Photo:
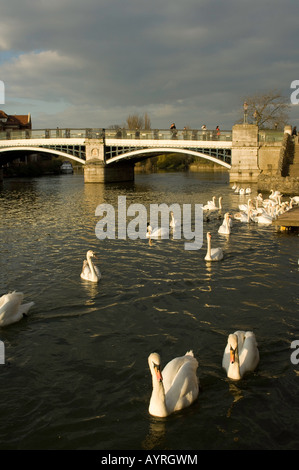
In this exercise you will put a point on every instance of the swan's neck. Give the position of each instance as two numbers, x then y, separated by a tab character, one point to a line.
157	406
92	270
209	248
234	368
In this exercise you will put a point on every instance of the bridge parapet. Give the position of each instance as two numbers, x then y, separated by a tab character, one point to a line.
100	133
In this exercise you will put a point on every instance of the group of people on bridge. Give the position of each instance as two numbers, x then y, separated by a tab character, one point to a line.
205	135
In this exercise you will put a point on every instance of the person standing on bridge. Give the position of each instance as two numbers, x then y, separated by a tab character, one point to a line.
217	132
173	131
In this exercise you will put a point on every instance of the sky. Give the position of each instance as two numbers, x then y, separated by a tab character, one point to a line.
92	63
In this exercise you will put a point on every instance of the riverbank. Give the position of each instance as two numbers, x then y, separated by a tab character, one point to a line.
285	184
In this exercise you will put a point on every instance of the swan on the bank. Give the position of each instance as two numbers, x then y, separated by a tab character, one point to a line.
11	308
295	199
225	228
241	354
274	194
176	387
90	272
213	254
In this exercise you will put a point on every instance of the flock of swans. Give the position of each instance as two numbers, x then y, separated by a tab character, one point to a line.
177	385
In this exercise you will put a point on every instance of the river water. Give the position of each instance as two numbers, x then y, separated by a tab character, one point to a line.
76	373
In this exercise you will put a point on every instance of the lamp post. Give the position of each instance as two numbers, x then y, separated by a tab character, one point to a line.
245	107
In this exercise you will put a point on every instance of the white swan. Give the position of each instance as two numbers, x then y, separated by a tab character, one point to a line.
274	194
225	228
243	216
210	205
295	199
213	254
12	309
174	222
176	387
90	272
241	354
158	232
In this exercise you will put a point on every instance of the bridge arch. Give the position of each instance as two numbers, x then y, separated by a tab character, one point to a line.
136	154
42	150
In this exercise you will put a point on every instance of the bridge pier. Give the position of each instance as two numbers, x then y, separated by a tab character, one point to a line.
97	171
245	150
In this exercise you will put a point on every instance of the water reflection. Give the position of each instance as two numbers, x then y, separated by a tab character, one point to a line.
237	395
156	435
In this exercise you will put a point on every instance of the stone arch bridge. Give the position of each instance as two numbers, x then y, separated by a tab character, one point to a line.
110	155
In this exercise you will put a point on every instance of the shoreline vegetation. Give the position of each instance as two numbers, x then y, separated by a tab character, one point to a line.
169	162
175	162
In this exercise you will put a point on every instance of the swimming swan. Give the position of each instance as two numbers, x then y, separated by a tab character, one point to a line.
213	254
12	309
241	354
174	222
225	228
158	232
176	387
90	272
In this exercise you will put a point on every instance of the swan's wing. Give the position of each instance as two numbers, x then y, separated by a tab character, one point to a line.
98	272
24	308
173	368
216	253
85	269
184	387
10	302
249	354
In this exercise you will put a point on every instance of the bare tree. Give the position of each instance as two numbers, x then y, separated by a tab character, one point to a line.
135	121
268	110
147	121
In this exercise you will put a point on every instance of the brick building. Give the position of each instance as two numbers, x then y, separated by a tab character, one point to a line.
14	122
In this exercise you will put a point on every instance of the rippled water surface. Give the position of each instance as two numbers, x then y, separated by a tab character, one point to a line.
76	373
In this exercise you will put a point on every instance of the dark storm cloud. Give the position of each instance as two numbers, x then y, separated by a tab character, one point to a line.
189	61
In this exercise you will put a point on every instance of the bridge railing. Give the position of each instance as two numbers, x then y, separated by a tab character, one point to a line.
167	134
94	133
270	135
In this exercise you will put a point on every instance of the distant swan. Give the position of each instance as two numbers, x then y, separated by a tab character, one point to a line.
11	308
176	387
174	222
213	254
241	354
211	205
90	272
158	232
225	228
